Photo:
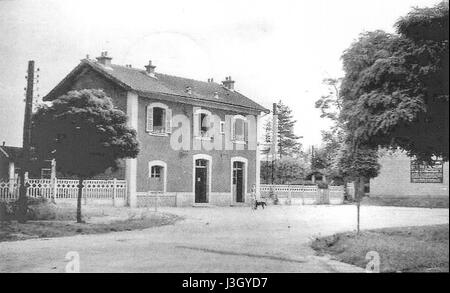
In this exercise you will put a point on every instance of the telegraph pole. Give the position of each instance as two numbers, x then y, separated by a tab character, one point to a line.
274	136
26	144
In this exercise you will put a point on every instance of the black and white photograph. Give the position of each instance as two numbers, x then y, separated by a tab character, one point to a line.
227	137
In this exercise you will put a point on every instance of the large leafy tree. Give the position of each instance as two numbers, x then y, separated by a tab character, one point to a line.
395	89
84	133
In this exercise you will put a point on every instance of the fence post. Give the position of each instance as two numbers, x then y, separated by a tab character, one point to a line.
289	194
114	192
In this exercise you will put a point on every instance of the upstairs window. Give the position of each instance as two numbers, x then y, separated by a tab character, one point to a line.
239	129
159	119
202	123
159	115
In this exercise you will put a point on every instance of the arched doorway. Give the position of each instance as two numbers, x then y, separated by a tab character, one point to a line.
202	178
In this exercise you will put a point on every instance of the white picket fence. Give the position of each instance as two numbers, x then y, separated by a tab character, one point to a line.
304	194
66	189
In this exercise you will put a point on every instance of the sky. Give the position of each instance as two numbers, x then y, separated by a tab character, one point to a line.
274	50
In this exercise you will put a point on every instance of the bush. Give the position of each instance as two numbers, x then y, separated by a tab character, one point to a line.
322	185
38	209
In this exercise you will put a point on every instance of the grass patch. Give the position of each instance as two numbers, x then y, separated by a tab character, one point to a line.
406	249
14	231
418	202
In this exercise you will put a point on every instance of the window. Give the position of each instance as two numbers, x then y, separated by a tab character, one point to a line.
202	123
156	172
46	173
222	127
159	119
240	129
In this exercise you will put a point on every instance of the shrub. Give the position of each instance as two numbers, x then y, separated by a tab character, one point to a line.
322	185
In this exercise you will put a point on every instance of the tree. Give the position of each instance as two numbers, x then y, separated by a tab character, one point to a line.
330	106
396	86
267	136
357	164
288	144
287	170
84	133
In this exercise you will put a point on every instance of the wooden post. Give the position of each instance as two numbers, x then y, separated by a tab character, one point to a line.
289	194
55	189
54	181
114	192
26	144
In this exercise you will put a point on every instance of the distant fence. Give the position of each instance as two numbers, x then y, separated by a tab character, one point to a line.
58	189
304	194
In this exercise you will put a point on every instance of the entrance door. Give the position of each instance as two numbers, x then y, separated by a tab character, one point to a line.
238	181
201	184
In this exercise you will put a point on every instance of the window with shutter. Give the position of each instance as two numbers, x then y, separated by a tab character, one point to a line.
159	119
239	129
149	122
168	121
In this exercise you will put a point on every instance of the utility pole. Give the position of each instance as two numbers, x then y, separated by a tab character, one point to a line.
274	137
26	144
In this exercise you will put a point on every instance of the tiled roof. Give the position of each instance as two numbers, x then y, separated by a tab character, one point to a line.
141	82
11	152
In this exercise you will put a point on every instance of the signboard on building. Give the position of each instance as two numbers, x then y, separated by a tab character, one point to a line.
425	173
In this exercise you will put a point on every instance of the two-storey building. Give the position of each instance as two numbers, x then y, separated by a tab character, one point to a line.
198	140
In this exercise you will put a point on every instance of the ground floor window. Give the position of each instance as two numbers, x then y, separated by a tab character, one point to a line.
156	171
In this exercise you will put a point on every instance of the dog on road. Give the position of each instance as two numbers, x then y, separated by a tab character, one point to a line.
259	203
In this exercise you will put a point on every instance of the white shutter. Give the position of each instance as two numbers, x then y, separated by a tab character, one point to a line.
196	124
246	130
233	129
149	122
168	120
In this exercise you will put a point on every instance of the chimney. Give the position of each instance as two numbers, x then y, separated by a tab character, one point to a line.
150	69
104	59
210	80
4	142
228	83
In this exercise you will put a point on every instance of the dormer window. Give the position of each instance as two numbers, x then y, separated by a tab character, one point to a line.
159	119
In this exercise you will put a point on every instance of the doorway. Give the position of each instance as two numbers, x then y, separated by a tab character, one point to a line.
238	181
201	181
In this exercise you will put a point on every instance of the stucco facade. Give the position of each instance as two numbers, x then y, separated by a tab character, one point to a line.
394	179
175	162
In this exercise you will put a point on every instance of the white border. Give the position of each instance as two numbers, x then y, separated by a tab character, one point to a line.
157	105
209	159
161	164
233	129
245	161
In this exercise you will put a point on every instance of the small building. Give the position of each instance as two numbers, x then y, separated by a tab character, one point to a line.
10	164
198	139
403	176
